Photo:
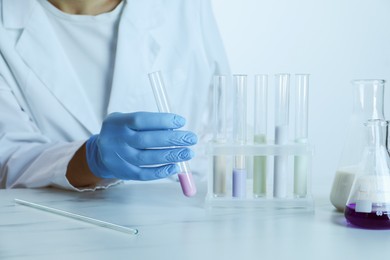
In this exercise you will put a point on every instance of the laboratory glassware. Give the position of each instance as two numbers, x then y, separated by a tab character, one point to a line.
368	104
301	133
260	134
185	176
93	221
219	133
239	133
368	204
282	96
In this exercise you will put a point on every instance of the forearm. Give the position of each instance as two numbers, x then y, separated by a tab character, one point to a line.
78	172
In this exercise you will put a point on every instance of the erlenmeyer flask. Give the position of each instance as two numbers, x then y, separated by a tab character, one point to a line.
367	105
368	204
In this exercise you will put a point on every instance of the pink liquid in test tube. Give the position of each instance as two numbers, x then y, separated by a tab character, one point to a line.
187	184
185	176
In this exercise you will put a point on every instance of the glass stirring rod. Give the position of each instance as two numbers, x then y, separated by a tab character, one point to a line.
185	176
63	213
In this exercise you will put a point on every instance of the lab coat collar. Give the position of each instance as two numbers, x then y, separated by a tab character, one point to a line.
43	54
138	40
138	48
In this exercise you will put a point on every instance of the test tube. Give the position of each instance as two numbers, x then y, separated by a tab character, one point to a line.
301	133
281	133
219	134
260	135
239	134
185	176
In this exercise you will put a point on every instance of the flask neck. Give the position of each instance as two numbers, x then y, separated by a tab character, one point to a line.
376	132
368	100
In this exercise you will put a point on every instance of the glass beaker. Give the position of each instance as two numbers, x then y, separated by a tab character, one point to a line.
368	204
368	98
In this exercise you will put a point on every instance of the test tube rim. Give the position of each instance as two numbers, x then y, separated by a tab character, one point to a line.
368	81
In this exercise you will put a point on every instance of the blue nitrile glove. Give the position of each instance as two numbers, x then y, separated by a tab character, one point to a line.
122	149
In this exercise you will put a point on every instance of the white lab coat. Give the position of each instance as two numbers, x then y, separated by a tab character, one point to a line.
45	115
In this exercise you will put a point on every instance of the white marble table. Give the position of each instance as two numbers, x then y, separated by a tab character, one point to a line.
174	227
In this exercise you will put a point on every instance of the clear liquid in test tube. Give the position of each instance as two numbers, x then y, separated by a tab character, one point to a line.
282	94
219	134
260	135
239	134
185	176
301	133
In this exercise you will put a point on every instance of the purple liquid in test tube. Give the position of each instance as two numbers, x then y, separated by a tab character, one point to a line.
185	176
239	134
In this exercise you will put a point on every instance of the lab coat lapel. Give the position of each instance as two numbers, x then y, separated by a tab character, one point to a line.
137	50
40	49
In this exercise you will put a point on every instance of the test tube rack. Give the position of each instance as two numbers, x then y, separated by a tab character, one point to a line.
255	171
291	201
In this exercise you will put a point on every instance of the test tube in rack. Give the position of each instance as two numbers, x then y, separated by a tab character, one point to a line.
260	135
301	133
282	95
185	176
219	134
239	134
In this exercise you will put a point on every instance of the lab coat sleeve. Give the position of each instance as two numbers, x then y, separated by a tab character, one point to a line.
28	159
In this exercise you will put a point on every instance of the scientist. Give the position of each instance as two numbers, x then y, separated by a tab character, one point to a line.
73	85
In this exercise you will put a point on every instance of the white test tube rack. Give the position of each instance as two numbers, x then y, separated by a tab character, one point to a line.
290	202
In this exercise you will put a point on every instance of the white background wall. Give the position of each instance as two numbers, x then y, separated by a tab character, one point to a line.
334	41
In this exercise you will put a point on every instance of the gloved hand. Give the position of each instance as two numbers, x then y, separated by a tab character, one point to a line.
122	149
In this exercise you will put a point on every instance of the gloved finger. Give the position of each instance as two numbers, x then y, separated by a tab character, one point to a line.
132	172
155	121
149	120
155	156
152	139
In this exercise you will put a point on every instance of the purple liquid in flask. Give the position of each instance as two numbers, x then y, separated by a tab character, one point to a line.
377	218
